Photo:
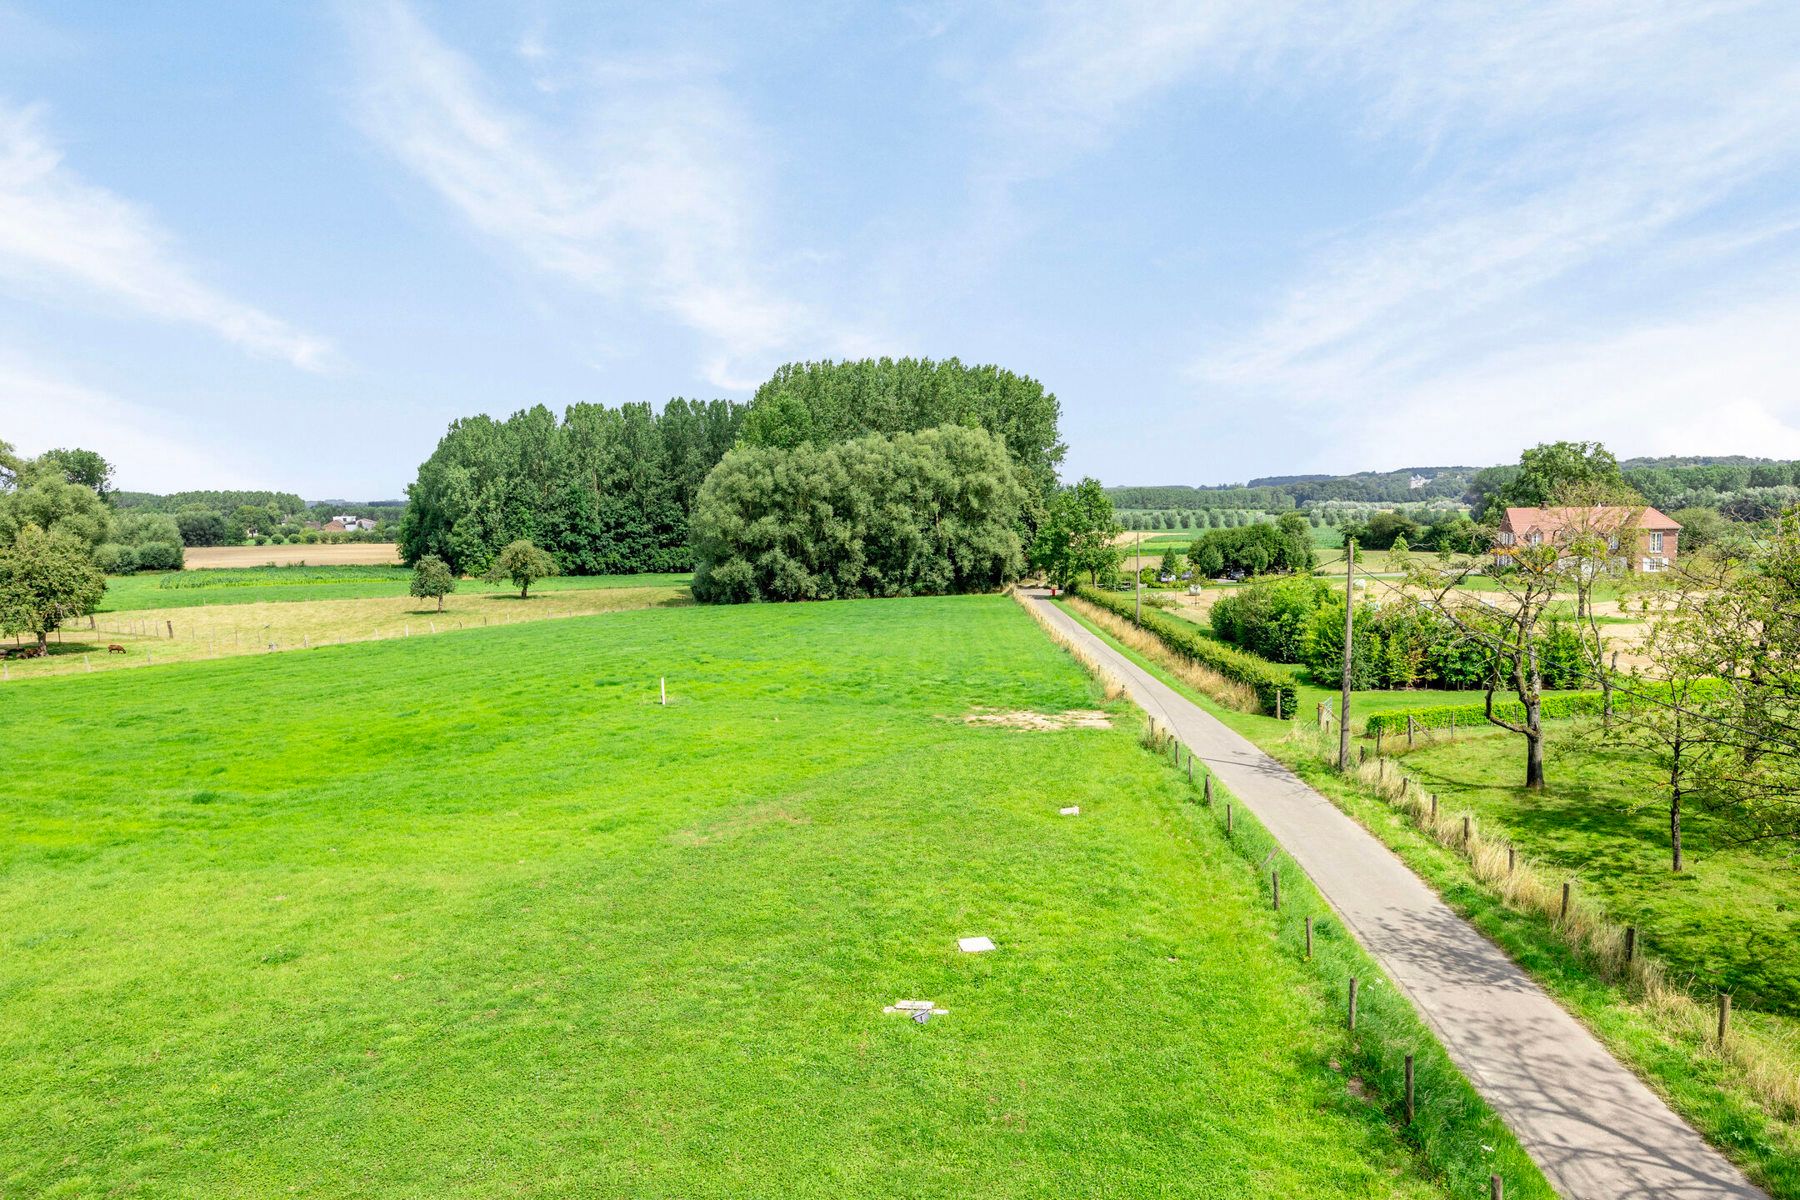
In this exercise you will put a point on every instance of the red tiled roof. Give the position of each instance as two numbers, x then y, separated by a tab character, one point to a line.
1549	520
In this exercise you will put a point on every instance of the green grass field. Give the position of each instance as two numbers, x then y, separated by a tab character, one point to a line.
256	585
475	915
1731	917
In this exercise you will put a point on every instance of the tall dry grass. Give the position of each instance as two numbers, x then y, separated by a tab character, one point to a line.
1765	1064
1203	679
1111	686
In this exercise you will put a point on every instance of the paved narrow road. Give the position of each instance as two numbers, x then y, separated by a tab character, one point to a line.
1592	1126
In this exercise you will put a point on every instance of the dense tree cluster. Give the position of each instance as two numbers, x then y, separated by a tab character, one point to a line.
61	493
910	514
1448	531
1283	546
285	505
603	491
819	403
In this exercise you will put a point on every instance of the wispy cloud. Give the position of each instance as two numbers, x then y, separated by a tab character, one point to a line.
43	407
1580	166
59	232
650	195
1718	377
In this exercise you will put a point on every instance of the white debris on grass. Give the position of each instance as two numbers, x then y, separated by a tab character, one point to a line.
914	1007
1074	810
974	945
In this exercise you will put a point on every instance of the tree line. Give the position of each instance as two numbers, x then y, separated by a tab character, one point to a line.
621	490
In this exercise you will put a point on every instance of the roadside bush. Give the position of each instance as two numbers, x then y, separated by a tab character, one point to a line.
1275	693
1271	617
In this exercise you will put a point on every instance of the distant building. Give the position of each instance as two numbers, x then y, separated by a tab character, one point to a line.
335	525
1644	539
1417	482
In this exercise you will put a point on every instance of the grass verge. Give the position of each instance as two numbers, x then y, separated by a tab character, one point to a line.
1453	1129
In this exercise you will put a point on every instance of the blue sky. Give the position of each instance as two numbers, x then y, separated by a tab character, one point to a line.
266	244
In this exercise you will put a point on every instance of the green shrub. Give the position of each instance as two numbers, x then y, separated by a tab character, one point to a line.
1275	693
114	559
159	556
1271	617
1581	704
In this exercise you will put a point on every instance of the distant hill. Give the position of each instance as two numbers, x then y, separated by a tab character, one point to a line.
1737	485
1276	493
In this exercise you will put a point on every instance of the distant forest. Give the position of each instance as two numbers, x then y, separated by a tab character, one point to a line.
1737	485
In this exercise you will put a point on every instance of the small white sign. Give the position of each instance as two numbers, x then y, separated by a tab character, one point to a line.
974	945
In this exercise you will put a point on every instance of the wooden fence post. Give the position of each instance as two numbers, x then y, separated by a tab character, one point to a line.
1208	790
1568	884
1496	1189
1409	731
1434	807
1510	855
1630	942
1228	818
1466	830
1410	1110
1309	939
1353	1004
1275	888
1724	1016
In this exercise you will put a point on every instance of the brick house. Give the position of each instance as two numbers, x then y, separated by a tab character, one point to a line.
1645	538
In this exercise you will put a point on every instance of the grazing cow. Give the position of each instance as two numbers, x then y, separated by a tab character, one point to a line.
115	648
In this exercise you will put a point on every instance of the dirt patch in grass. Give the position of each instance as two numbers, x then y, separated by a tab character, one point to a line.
1038	722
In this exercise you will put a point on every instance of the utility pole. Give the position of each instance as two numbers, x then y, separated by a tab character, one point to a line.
1137	578
1349	641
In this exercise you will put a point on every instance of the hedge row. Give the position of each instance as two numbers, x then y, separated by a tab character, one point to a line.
1581	704
1275	692
1577	704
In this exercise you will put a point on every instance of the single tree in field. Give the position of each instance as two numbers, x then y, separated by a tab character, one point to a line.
1503	619
1596	531
1546	470
1077	535
1168	565
46	579
432	578
1740	620
1669	707
524	564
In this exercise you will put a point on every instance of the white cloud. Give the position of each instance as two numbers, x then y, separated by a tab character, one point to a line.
1582	166
57	230
152	450
649	196
1719	379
